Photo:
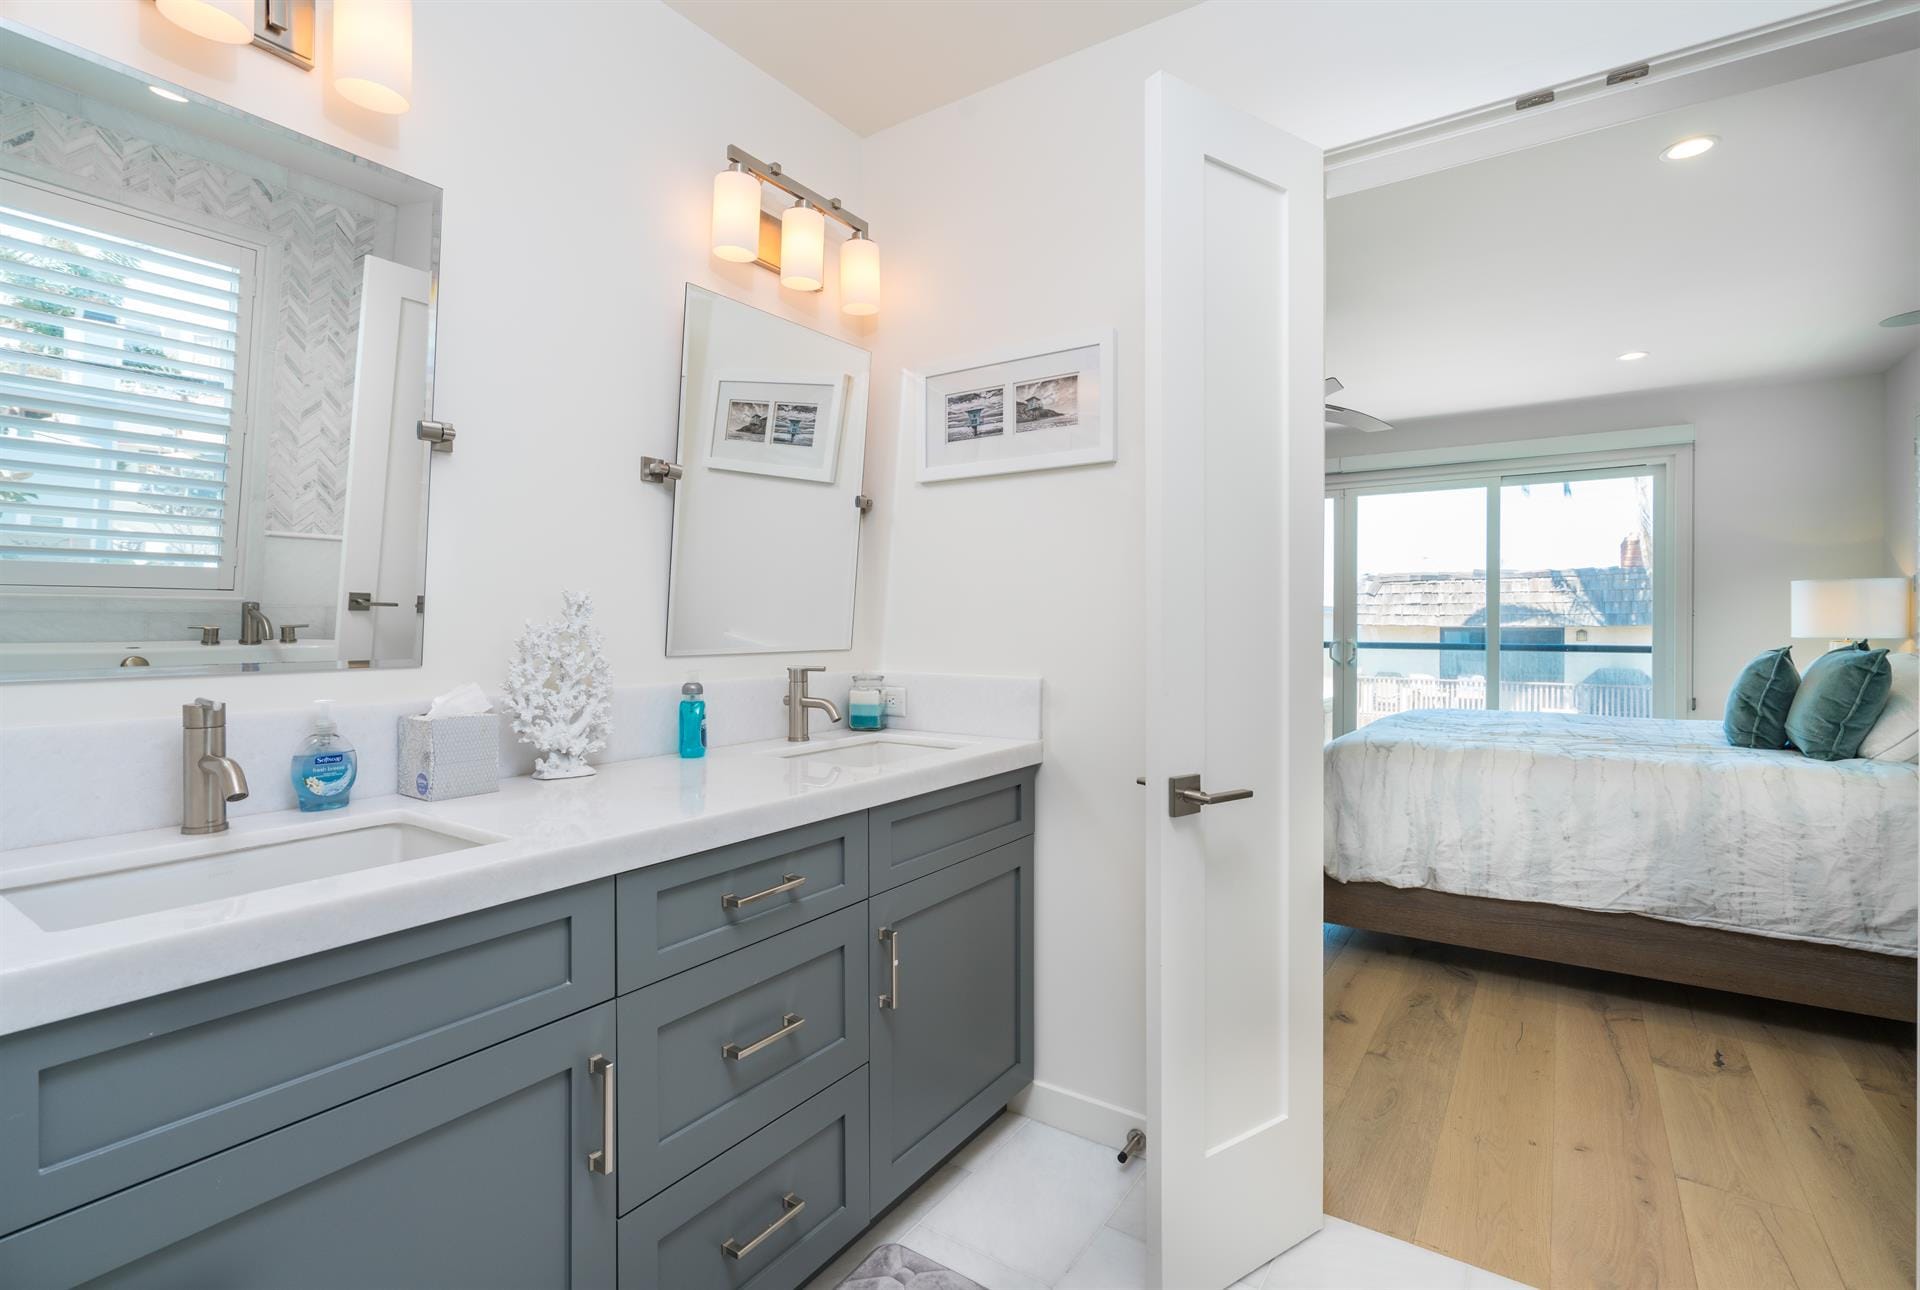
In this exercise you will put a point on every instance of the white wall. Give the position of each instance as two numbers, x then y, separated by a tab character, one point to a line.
599	126
1902	472
1042	573
1787	484
1029	575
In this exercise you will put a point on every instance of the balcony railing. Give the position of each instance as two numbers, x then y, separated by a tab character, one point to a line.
1381	696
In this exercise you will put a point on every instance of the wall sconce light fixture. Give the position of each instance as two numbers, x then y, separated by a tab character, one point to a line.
283	27
373	53
794	244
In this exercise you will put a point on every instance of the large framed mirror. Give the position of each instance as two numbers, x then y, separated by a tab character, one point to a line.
216	345
767	510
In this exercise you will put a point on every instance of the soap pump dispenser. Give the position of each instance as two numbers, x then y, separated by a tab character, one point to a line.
326	765
693	720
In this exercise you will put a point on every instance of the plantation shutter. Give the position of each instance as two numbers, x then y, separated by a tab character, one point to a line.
119	361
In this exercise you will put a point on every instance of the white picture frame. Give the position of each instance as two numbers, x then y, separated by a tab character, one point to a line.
1039	407
750	411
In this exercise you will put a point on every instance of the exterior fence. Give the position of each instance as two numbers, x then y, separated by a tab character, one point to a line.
1382	696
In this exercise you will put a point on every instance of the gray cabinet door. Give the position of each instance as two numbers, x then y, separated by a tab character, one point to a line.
766	1214
471	1175
110	1099
952	1034
710	1055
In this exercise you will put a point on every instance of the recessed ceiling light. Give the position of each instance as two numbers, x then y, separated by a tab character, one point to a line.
1633	356
1911	318
1692	146
167	94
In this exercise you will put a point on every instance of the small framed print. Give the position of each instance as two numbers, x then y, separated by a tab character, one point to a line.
1041	409
788	428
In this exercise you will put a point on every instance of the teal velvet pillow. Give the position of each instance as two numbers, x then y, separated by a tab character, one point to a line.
1757	705
1840	698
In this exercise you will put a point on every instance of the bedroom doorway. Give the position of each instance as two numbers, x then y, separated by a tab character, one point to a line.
1517	587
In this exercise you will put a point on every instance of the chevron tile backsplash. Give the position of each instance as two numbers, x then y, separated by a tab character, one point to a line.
316	251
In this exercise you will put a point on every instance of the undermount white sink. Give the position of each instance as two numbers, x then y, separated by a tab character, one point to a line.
869	752
193	873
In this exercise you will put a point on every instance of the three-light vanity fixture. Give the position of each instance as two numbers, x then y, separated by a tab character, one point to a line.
793	245
372	41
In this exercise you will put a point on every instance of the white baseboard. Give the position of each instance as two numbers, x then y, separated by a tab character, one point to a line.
1078	1114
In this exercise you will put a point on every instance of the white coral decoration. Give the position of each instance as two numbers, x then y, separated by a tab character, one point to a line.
557	690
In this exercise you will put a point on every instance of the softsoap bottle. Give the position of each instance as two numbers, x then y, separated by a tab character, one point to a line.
325	767
693	721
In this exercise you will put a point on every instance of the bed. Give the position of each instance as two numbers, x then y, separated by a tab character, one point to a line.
1632	845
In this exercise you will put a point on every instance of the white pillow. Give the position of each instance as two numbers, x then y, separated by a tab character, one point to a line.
1896	735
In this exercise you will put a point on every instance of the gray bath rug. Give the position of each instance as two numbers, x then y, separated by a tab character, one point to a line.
895	1267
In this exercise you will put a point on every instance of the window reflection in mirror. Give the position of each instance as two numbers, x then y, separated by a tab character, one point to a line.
214	345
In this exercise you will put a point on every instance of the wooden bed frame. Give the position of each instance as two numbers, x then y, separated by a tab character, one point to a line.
1825	976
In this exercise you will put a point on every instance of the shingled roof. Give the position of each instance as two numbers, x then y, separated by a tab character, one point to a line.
1603	597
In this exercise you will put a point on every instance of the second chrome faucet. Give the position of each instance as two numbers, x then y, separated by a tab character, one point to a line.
798	701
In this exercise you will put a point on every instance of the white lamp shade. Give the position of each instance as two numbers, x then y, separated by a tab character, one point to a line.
860	277
803	248
1850	608
373	53
228	21
736	216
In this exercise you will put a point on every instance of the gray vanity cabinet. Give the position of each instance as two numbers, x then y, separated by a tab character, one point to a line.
474	1174
952	1032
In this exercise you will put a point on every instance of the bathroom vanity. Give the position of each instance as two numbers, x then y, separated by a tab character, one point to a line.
674	1065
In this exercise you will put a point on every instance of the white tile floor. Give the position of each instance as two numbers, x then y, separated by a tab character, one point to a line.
1027	1207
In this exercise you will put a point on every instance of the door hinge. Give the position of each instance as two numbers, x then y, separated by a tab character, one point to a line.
657	470
862	503
1540	99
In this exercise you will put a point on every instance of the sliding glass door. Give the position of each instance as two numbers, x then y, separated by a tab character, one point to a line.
1540	591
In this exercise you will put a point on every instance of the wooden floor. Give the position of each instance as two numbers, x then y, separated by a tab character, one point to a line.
1569	1128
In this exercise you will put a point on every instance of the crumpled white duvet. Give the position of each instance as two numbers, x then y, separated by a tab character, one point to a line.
1629	815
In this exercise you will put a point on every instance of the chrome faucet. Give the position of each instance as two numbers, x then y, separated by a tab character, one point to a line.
254	625
798	701
209	779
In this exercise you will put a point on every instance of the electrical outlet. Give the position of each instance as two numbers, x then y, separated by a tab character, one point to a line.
895	697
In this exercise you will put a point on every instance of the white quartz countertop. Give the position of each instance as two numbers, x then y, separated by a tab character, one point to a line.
535	837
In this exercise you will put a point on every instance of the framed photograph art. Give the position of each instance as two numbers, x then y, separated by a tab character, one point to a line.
1039	409
789	428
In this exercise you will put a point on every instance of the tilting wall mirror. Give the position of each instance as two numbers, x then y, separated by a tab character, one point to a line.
216	350
767	501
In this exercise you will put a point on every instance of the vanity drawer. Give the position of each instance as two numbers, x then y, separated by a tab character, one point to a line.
913	838
680	914
693	1082
812	1160
112	1098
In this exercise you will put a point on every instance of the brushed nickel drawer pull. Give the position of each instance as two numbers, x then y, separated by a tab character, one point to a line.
601	1161
789	1023
787	883
891	939
790	1206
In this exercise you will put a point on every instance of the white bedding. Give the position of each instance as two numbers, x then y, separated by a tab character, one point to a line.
1629	815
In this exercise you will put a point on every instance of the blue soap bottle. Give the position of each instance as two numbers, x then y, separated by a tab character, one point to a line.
693	721
325	767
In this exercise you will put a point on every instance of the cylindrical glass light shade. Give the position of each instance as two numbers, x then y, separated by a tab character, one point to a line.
736	216
228	21
373	53
860	277
803	248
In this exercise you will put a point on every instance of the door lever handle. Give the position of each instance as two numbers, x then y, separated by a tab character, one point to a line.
1186	797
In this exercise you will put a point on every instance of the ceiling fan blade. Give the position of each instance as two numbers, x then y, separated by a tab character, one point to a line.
1339	418
1333	387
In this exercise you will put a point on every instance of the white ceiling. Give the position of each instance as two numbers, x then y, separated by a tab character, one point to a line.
1517	280
870	65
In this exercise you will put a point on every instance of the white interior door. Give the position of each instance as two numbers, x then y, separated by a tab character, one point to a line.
387	468
1234	514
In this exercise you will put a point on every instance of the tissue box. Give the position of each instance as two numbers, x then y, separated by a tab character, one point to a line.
448	757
